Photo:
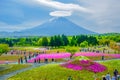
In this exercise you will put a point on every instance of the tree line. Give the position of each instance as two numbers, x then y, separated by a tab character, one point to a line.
63	40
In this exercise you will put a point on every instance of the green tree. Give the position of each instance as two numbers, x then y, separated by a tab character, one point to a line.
92	40
65	40
84	44
4	48
39	42
52	42
22	42
81	38
104	42
59	41
73	41
44	41
56	41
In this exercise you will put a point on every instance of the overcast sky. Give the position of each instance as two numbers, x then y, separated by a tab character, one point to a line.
96	15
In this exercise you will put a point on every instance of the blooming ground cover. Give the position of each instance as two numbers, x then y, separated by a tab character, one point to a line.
90	55
50	56
85	65
97	56
56	72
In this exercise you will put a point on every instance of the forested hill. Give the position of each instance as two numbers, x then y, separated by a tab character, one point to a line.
110	34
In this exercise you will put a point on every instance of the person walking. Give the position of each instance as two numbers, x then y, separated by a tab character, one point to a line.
113	78
115	73
103	57
39	60
25	58
19	61
35	61
108	76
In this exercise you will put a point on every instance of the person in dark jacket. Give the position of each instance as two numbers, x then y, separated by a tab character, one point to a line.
70	78
115	72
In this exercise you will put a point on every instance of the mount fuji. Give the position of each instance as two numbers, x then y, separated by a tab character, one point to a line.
55	26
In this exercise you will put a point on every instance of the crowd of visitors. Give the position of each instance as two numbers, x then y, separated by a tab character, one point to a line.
116	76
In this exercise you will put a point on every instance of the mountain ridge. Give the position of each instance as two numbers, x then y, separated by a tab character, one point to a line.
59	26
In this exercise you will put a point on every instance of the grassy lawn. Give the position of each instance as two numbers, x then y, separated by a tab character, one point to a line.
55	50
11	67
24	48
56	72
9	57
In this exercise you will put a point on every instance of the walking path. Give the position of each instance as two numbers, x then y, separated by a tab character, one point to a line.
6	76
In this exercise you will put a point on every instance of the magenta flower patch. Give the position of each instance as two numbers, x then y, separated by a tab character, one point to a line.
93	54
85	65
50	56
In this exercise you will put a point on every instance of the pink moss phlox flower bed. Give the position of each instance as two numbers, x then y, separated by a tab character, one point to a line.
50	56
93	54
85	65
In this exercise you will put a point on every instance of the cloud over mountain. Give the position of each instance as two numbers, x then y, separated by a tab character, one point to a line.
60	13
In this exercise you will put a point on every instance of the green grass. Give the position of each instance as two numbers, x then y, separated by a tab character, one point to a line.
100	58
10	57
55	51
55	72
12	67
24	48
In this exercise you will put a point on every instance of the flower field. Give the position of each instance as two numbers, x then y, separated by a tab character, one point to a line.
96	56
56	72
51	56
